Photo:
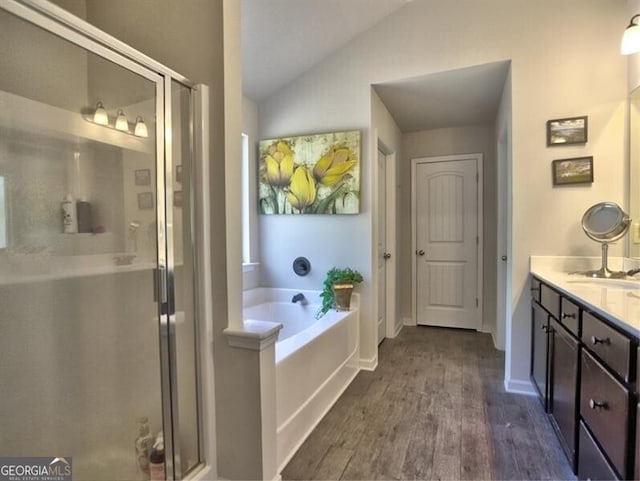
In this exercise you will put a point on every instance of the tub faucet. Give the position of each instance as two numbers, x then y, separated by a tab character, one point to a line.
299	297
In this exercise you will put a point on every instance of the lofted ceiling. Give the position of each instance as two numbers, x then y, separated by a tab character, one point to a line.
446	99
282	39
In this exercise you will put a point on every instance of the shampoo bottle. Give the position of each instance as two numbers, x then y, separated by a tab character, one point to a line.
84	216
69	215
156	459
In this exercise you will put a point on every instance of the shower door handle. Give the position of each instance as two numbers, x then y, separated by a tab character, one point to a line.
160	286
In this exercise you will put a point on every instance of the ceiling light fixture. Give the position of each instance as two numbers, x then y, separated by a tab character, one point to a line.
141	128
100	115
121	122
631	38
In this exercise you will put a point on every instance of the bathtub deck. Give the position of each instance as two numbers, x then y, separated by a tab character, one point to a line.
434	409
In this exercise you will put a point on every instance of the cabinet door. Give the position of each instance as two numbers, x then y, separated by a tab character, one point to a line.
604	407
564	387
539	352
637	467
592	464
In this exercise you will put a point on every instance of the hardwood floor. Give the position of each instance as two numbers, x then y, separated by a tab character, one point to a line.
435	408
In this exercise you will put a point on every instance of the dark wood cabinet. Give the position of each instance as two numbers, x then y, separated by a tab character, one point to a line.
585	368
540	353
592	465
611	346
604	406
570	316
636	471
564	358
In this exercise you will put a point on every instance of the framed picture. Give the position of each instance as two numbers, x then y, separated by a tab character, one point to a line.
142	177
573	130
145	201
179	173
310	174
177	198
578	170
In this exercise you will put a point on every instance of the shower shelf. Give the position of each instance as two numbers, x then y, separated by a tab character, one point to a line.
69	267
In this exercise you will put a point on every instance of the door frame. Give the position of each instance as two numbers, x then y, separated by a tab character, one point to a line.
503	247
392	325
478	157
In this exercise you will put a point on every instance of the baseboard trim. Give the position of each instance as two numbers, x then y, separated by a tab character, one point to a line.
519	387
369	364
398	328
407	321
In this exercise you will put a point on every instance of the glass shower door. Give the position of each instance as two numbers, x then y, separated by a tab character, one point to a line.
181	256
82	241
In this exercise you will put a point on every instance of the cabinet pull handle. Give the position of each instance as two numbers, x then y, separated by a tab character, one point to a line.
544	328
596	340
566	315
535	289
593	404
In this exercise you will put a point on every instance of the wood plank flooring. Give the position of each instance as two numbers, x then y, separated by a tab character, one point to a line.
435	408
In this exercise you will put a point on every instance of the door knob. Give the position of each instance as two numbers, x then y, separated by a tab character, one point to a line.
386	255
504	258
420	252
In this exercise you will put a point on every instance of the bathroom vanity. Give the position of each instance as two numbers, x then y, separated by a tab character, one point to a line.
584	366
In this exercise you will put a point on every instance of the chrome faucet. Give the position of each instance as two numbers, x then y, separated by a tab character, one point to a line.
299	297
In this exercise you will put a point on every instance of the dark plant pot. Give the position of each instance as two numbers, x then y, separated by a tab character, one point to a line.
342	295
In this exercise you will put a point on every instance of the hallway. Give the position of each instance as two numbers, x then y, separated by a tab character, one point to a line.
435	408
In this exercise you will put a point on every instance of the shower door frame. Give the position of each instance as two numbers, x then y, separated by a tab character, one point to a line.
61	23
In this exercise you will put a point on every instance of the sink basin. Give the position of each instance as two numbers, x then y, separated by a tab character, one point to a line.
610	283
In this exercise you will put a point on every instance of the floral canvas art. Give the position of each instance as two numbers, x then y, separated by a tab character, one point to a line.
310	174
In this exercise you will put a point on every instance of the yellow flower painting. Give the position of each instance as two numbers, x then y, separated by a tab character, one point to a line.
310	174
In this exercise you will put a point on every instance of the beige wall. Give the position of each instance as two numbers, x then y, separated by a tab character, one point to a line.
559	69
633	7
56	73
452	141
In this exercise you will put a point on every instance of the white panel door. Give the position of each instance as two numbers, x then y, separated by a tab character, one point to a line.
382	246
447	243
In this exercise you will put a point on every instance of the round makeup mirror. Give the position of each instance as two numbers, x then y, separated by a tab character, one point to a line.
605	222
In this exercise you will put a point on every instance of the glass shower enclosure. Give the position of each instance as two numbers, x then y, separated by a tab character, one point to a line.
97	280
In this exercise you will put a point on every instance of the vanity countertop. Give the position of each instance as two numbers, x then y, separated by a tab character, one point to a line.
618	302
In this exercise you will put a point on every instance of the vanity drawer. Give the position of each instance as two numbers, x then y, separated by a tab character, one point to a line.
569	315
611	346
591	463
550	300
604	406
535	289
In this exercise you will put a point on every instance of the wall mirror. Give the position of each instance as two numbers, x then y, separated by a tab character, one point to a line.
634	174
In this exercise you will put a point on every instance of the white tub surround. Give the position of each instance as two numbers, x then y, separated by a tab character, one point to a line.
315	360
261	337
617	301
255	335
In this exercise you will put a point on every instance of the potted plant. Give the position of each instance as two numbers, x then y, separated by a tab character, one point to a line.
337	289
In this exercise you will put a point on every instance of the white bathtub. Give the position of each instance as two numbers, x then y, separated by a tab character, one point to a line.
315	360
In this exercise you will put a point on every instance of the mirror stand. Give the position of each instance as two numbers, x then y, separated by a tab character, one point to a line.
604	272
